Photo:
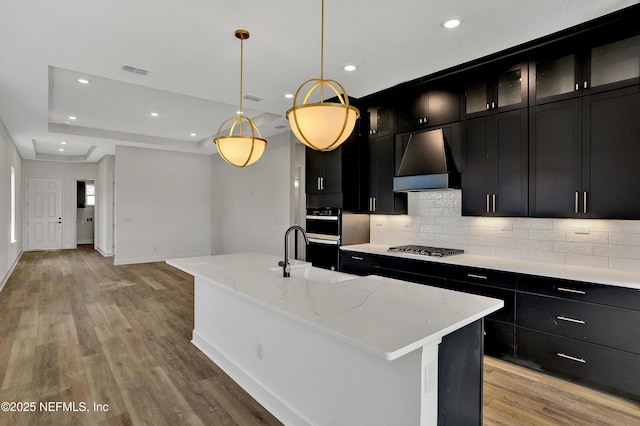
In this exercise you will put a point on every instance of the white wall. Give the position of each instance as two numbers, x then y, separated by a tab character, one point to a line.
252	205
104	205
9	252
435	219
70	174
162	205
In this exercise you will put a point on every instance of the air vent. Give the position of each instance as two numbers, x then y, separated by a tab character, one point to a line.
140	71
253	98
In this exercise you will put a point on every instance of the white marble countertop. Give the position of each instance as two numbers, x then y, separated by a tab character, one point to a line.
384	316
612	277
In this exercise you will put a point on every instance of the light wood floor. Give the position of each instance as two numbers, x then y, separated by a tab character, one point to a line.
77	330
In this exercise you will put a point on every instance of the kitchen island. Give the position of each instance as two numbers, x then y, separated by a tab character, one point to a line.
323	347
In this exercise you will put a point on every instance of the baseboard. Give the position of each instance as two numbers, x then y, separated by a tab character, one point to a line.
275	406
103	253
10	271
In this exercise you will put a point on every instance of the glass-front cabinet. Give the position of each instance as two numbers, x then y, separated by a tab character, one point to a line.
497	90
606	66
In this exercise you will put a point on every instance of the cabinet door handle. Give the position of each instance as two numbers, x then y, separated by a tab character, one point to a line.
494	202
487	105
586	85
375	204
573	320
572	358
577	86
576	210
357	258
493	105
480	277
571	290
487	203
584	202
322	181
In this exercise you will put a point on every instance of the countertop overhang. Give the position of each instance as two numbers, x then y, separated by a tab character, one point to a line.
613	277
386	317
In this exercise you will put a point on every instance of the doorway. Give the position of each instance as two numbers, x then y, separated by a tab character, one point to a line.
85	211
44	213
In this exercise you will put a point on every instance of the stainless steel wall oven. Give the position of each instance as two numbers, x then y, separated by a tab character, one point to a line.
328	228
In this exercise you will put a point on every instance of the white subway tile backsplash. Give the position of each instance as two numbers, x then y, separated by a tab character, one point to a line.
435	219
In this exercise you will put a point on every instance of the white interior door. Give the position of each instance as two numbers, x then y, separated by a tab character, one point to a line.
44	213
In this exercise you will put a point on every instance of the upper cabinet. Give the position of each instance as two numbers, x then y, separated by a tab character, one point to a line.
564	73
423	106
381	118
496	89
333	177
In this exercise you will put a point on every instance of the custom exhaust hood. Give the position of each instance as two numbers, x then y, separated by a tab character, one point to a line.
426	164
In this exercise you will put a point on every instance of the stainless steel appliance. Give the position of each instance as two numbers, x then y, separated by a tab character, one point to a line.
426	250
328	228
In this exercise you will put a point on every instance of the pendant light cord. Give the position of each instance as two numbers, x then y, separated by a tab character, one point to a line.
322	54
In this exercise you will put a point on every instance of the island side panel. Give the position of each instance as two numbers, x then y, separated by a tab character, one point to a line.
304	376
460	376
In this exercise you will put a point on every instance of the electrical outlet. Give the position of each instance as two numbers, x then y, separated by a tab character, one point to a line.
259	351
582	230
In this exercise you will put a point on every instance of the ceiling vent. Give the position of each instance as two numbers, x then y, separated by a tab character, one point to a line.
253	98
140	71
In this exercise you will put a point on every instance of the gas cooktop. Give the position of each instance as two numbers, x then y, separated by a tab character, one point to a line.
426	250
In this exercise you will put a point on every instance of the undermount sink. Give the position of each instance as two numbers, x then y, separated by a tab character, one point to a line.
312	273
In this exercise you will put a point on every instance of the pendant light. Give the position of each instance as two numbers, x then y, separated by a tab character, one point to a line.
243	148
322	125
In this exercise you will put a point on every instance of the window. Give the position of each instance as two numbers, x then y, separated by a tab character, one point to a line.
13	205
91	195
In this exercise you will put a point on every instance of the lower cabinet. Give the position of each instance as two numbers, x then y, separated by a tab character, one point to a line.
605	368
585	332
581	331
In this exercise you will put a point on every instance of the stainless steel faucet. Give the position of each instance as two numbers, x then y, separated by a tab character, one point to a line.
286	267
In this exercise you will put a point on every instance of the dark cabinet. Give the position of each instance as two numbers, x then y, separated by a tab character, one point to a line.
499	326
420	107
333	177
495	178
584	155
497	89
380	118
357	263
382	162
610	63
583	331
81	194
601	367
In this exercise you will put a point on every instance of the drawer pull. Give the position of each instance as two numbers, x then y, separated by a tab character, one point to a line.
576	321
572	358
357	258
481	277
570	290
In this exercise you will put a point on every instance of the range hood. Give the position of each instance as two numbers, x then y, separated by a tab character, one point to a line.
426	164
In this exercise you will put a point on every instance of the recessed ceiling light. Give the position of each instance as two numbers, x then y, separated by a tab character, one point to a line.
61	149
451	23
153	114
350	67
288	95
63	143
72	117
193	134
239	112
83	81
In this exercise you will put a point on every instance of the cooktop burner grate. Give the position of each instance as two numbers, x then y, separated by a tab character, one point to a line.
426	250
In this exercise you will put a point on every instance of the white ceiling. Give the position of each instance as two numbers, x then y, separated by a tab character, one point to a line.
193	59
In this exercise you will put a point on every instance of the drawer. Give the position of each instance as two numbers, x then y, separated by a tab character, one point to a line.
482	276
418	271
608	369
499	339
357	263
588	292
507	313
605	325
